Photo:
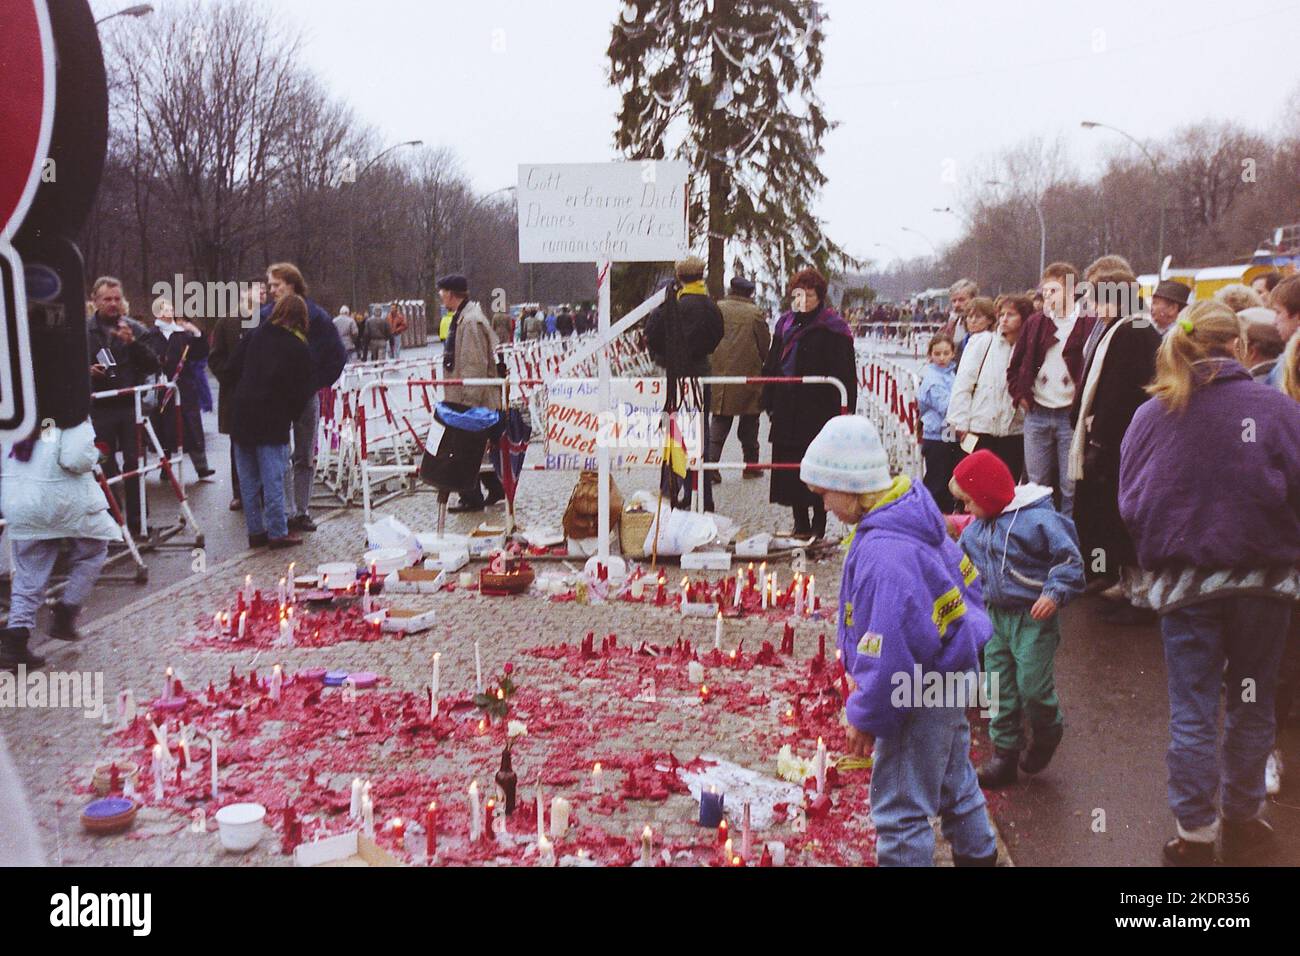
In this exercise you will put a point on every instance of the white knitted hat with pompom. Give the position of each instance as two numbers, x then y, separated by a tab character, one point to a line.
847	455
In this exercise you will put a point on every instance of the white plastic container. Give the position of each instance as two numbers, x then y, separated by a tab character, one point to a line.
239	826
338	576
387	560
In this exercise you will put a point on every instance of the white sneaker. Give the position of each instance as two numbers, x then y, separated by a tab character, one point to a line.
1273	774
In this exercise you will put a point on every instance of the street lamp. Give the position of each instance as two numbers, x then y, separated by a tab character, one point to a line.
352	207
1155	167
970	229
1042	225
139	10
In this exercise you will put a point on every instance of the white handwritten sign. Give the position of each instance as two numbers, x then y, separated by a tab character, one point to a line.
632	429
593	212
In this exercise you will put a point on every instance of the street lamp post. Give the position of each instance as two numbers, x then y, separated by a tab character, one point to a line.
352	207
1160	179
139	10
933	247
1042	225
970	229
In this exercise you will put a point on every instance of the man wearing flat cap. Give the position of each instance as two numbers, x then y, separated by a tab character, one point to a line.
469	352
1167	301
681	335
746	340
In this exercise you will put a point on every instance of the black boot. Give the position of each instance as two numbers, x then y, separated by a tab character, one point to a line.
819	522
1180	852
990	860
802	526
1000	771
1039	754
1248	842
64	626
13	648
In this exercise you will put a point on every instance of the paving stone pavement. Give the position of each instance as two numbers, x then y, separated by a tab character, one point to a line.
53	748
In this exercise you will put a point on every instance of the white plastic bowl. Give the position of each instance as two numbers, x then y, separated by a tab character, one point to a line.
388	560
240	825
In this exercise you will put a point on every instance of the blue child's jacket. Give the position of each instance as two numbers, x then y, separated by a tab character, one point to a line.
1027	551
932	397
908	597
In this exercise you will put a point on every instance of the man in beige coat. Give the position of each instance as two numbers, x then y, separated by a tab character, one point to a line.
470	351
746	340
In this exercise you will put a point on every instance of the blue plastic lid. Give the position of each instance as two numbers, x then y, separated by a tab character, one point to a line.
108	807
335	678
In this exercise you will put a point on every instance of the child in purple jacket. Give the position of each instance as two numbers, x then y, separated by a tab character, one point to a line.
911	626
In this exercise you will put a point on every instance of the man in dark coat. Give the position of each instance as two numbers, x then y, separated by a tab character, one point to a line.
327	360
681	335
811	339
133	363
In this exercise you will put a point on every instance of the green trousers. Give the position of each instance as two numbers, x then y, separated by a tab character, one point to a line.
1022	653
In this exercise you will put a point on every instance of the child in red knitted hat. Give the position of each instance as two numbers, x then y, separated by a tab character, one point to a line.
1028	556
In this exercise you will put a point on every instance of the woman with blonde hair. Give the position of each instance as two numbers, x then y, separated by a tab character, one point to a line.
1210	491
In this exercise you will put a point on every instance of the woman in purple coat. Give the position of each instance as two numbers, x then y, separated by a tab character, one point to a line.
1210	491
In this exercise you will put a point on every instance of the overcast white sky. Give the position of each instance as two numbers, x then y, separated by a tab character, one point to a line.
912	83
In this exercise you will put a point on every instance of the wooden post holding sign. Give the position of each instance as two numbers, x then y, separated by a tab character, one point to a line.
603	213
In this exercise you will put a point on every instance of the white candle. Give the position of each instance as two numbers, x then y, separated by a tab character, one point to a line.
597	779
638	588
365	598
478	668
437	679
559	818
354	810
216	622
819	766
545	852
717	633
767	590
243	621
293	625
735	598
762	576
368	816
158	772
293	597
811	604
695	672
284	628
248	590
685	591
277	682
212	757
776	587
475	814
798	596
169	684
281	593
647	837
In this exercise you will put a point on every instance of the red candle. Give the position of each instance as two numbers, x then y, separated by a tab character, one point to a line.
705	693
399	831
723	835
431	831
488	833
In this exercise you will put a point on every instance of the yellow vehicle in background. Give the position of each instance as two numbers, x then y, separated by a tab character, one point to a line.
1281	254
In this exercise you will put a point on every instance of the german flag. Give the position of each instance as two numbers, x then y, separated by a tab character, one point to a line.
675	447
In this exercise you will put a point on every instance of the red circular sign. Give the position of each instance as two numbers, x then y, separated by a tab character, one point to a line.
27	106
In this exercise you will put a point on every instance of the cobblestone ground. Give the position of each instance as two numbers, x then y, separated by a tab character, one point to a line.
56	750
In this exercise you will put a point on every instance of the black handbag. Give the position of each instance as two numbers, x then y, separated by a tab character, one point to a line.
455	464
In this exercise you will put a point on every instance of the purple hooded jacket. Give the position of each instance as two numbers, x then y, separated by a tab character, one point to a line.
908	597
1219	485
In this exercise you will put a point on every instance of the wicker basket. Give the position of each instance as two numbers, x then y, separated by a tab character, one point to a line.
632	531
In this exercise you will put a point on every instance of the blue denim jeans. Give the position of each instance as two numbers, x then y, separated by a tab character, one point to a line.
1047	452
261	474
924	771
1248	635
